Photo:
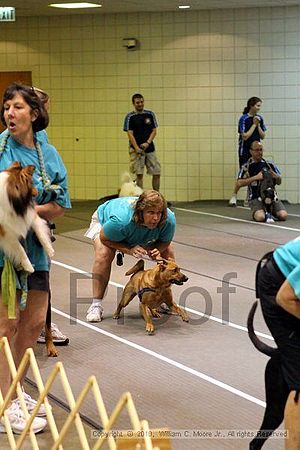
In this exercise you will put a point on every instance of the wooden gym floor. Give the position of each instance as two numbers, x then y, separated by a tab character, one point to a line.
200	379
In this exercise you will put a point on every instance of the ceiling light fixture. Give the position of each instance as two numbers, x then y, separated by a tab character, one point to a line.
75	5
184	6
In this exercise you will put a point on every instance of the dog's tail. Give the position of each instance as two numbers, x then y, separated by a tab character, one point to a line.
137	268
258	344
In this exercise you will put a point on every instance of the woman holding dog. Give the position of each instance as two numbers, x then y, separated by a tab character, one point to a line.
24	115
142	227
278	287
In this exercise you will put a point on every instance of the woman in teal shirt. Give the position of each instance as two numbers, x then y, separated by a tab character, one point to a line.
24	116
140	227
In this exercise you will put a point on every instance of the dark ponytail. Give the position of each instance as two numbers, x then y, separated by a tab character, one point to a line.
251	102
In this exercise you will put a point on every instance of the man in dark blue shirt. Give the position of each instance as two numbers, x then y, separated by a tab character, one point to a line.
140	126
251	174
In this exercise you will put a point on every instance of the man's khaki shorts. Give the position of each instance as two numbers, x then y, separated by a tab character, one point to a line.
139	161
257	205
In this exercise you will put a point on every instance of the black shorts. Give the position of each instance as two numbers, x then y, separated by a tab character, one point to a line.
284	327
38	280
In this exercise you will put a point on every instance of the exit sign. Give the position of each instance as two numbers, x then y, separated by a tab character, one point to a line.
7	14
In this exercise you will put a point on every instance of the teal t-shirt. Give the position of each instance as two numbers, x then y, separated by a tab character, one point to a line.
287	258
116	218
57	174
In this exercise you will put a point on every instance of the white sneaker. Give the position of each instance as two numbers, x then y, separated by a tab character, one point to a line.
269	218
94	313
232	201
31	404
18	421
246	203
57	336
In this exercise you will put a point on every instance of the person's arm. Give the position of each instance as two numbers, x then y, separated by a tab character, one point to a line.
50	211
286	298
248	134
246	181
276	177
261	132
275	172
146	144
136	251
261	128
133	141
160	247
256	123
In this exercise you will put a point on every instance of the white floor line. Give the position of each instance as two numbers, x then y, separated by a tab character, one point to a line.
169	361
235	219
229	324
197	313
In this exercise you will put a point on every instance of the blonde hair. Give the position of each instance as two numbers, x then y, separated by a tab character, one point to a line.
147	200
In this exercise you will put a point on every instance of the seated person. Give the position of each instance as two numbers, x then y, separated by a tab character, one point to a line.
138	226
251	174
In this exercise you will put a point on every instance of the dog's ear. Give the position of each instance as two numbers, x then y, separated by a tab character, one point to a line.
162	263
16	165
29	169
34	192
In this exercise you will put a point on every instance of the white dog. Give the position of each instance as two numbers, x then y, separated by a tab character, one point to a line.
129	188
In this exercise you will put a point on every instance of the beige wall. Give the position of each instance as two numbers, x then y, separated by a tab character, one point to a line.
196	71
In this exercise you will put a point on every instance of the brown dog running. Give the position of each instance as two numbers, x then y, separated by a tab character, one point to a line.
153	287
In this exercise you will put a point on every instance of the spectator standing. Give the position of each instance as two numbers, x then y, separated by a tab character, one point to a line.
140	126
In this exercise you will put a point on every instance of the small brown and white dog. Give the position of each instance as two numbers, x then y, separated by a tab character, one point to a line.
129	188
18	216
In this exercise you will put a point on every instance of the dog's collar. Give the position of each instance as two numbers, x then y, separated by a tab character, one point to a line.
143	290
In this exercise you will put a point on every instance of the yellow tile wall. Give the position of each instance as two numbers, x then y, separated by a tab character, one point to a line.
196	70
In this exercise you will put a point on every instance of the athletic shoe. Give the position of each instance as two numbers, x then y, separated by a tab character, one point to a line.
246	203
232	201
18	422
31	404
57	336
94	313
269	218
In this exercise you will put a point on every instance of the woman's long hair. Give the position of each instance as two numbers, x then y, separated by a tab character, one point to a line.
251	102
147	200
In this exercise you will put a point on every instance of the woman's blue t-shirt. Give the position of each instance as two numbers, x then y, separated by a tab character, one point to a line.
116	218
